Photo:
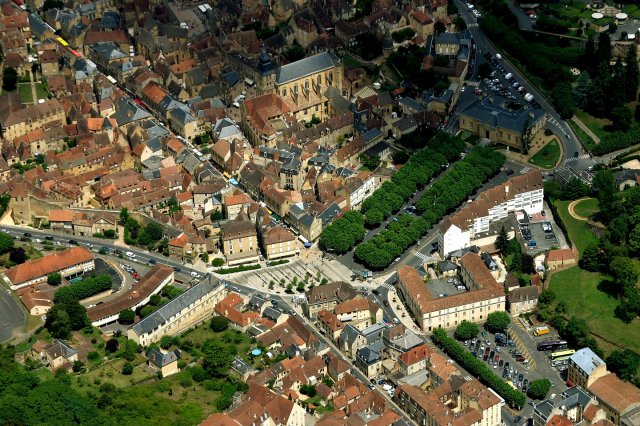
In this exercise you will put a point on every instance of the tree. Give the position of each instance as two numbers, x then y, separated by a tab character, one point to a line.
528	264
370	162
294	53
308	390
497	321
621	117
127	369
634	239
126	317
9	79
219	324
591	259
124	216
538	389
54	278
217	262
6	242
626	271
217	358
78	367
604	186
112	345
17	255
166	341
502	241
624	363
466	330
58	322
576	331
562	97
631	74
400	157
546	297
216	216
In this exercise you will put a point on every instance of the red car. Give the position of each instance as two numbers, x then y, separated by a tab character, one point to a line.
136	276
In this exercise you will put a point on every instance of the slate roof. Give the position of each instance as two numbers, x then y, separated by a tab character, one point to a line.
495	112
159	359
175	306
306	66
587	360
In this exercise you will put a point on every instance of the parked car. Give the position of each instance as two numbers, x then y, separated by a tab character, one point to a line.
176	269
385	302
48	238
74	242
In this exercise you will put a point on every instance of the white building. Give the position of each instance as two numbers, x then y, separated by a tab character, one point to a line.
520	193
360	188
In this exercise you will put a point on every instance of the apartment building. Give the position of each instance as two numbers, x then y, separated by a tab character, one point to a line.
239	241
520	193
18	122
485	296
327	297
185	311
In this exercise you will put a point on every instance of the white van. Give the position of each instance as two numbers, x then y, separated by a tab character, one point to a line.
498	56
508	76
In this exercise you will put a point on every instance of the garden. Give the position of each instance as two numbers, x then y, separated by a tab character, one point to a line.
548	156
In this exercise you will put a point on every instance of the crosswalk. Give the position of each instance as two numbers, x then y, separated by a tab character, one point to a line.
421	256
572	159
473	83
387	286
474	25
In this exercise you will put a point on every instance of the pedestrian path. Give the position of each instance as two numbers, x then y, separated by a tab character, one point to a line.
387	286
473	83
474	25
585	129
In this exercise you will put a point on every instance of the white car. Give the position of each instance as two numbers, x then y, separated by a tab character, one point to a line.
195	274
553	395
470	6
130	254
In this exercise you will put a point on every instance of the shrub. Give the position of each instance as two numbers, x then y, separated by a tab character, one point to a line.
54	278
217	262
538	389
127	369
238	269
219	324
85	288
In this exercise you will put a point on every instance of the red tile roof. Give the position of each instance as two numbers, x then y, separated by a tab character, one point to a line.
45	265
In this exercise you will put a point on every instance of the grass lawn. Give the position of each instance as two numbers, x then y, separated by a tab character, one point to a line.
351	62
548	156
582	135
586	297
26	95
41	93
587	208
579	233
595	124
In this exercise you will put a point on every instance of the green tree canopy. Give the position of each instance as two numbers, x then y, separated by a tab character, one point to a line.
498	321
538	389
126	317
6	242
219	324
54	278
466	330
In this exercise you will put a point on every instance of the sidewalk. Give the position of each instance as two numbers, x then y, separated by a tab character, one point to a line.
585	129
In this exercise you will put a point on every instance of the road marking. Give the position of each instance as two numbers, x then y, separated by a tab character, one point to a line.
421	256
570	160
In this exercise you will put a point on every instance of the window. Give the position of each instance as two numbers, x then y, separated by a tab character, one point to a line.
284	92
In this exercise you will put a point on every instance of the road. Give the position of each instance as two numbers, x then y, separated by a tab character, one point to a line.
141	256
556	124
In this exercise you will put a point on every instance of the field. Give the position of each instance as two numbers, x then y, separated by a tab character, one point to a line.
26	95
548	156
41	92
586	296
587	207
595	124
578	230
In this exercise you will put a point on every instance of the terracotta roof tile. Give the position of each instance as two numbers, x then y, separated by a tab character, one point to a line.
45	265
616	393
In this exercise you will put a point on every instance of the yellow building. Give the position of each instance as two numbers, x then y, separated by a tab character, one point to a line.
167	363
21	121
502	120
240	241
303	85
585	367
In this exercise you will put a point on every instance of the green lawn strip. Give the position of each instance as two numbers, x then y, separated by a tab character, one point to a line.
582	135
596	125
41	92
587	208
548	156
583	293
579	233
26	95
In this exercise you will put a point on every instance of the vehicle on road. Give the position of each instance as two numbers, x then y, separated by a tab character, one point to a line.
561	354
552	345
74	242
176	269
385	303
130	254
152	261
48	238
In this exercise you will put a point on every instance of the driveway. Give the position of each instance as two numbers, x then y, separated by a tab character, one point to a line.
12	316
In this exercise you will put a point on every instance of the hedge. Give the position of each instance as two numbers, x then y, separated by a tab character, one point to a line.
477	368
238	269
278	262
83	289
452	189
617	140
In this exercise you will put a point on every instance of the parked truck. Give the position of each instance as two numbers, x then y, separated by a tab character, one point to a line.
541	331
528	97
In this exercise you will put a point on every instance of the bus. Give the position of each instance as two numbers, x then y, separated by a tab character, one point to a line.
561	360
552	345
559	354
62	41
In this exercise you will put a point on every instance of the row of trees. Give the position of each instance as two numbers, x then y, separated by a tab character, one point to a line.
445	195
344	233
477	368
86	288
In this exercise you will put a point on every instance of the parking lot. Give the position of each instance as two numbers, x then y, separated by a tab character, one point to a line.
538	236
443	287
503	83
